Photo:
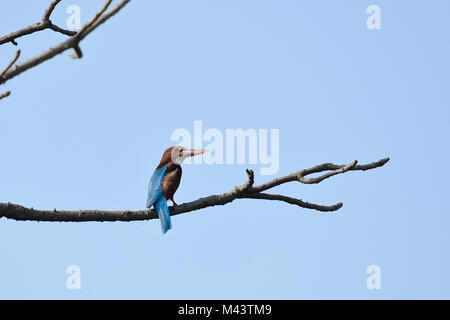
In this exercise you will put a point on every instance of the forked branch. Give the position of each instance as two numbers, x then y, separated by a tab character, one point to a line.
44	24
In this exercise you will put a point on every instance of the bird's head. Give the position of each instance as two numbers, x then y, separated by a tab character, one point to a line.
177	154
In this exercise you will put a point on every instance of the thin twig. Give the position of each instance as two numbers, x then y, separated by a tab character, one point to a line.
62	47
9	65
97	15
5	94
45	23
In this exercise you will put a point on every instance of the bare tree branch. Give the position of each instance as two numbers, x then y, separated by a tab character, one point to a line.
50	9
45	23
295	201
5	94
245	191
73	42
76	53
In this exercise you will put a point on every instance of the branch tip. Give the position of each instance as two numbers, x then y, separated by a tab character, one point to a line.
76	53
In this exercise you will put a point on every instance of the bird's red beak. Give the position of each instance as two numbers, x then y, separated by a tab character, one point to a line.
193	152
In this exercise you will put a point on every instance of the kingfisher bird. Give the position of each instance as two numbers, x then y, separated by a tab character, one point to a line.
165	181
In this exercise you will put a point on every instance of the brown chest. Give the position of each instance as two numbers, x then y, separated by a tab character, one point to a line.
171	181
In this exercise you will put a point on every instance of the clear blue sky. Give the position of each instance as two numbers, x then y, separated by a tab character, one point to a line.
87	134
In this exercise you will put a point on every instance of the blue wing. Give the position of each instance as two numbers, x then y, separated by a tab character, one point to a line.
155	186
163	214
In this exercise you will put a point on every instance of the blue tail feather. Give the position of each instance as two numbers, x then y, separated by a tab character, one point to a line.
163	214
